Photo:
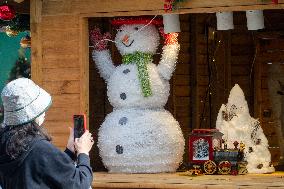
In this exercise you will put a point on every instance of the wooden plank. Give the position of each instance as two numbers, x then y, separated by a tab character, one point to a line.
62	61
241	39
63	34
257	86
66	101
185	47
59	48
61	87
194	77
184	58
184	180
242	50
61	74
84	67
182	80
61	113
182	69
184	37
182	101
182	91
242	60
58	126
36	51
63	22
183	111
52	7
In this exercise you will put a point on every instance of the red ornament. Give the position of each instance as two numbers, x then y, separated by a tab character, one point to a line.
7	12
275	1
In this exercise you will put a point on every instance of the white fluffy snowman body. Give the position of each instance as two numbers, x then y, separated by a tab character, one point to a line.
139	136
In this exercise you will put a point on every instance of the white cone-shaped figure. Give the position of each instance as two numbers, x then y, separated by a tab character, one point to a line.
139	136
235	122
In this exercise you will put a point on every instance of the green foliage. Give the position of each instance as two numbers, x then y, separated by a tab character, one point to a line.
22	68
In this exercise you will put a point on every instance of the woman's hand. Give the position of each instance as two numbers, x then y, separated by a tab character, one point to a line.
84	143
70	143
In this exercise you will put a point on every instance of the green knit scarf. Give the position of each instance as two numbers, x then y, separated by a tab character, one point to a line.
141	60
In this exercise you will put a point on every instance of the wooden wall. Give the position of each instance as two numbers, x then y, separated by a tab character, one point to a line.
222	60
241	57
60	54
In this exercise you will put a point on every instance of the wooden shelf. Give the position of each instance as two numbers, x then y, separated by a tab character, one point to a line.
182	180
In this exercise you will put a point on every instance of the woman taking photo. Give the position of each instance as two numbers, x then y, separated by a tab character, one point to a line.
27	158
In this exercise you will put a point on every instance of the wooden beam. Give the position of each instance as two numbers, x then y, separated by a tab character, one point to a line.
84	67
122	7
36	50
257	81
194	101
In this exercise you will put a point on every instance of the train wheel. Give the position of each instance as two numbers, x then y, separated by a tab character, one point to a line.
242	170
224	167
210	167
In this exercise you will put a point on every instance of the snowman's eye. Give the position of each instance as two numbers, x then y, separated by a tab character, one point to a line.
119	30
136	28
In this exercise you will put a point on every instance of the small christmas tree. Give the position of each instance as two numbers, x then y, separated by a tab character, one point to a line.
235	122
22	68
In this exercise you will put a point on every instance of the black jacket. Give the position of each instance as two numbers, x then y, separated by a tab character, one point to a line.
44	166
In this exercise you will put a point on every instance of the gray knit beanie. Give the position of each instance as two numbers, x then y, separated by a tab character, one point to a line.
23	101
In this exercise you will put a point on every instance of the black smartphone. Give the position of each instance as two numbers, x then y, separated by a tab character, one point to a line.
79	125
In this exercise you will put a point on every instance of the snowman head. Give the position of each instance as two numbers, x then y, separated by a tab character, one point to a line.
136	35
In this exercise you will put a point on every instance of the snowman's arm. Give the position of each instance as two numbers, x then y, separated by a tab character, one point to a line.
168	61
104	63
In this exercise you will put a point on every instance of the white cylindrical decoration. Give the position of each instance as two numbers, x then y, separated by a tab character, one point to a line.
255	20
225	20
171	23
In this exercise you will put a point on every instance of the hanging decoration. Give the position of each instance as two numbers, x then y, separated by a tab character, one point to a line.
171	23
273	1
10	32
170	5
20	23
7	12
25	42
255	19
225	20
139	135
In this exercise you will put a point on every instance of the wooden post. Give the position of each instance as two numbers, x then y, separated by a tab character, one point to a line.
84	66
194	77
257	81
36	50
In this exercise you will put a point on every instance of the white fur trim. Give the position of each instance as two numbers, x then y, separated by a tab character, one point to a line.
104	63
151	141
240	128
168	61
145	40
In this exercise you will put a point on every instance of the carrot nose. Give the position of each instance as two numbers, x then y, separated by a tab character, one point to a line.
125	39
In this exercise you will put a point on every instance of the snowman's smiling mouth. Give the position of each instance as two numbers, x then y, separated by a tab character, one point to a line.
129	43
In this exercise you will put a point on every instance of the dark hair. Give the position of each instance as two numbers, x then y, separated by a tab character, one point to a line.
17	139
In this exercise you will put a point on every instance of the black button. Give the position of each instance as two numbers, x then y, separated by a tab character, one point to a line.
123	120
126	71
123	96
119	149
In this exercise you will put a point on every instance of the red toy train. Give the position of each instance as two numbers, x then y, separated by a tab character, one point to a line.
207	155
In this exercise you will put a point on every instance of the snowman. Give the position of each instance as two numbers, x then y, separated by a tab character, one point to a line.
139	136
